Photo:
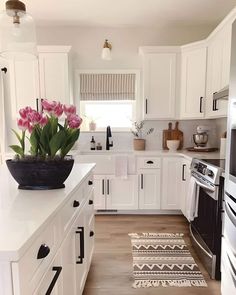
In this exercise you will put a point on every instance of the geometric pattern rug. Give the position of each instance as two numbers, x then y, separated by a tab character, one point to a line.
163	260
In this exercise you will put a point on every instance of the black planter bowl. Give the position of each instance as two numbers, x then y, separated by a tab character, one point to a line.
39	174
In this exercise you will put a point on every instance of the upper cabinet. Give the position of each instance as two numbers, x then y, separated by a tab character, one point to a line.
218	70
193	81
54	73
159	81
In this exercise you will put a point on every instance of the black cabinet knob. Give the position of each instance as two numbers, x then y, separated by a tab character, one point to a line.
90	182
91	234
76	203
90	202
44	250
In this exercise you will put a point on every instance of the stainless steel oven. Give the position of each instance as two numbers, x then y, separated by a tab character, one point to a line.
206	228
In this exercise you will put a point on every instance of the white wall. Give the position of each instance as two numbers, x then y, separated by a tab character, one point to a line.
87	42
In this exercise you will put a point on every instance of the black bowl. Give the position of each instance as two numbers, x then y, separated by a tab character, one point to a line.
39	174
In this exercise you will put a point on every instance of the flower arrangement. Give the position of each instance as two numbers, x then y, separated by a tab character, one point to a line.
138	131
47	137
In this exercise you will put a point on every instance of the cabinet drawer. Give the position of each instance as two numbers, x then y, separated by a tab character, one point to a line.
149	163
28	271
71	208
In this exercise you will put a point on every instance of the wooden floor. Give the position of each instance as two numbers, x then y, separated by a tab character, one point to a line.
111	269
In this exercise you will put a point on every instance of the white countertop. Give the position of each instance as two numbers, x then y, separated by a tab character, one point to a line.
24	212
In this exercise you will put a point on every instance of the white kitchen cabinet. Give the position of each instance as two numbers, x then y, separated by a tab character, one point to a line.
193	81
54	71
185	179
149	189
171	184
218	70
159	82
112	193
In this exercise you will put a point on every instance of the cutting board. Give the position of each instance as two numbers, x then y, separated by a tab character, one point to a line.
177	134
166	136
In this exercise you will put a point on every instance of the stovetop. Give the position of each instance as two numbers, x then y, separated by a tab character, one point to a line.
216	162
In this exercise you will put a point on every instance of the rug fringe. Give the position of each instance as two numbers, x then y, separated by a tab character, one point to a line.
168	283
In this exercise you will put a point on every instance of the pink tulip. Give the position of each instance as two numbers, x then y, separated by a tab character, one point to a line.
34	117
69	110
24	113
23	124
43	121
74	121
52	107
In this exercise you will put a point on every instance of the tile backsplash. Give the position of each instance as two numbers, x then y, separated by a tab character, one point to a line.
124	140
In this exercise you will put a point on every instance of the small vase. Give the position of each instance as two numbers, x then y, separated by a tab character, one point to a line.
40	174
139	144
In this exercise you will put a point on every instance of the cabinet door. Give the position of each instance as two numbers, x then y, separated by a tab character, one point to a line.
193	83
185	173
149	189
52	281
218	70
54	76
122	194
99	192
159	85
171	184
24	84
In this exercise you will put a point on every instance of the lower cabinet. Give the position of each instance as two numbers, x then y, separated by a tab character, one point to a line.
112	193
149	189
185	179
171	183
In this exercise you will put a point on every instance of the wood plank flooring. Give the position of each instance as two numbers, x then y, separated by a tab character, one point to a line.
111	269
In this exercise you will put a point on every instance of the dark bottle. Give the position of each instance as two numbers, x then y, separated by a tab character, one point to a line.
92	144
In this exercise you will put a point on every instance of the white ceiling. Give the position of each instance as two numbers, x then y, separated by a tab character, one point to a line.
136	13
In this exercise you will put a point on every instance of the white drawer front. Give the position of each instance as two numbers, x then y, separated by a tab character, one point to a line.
88	185
29	270
71	208
149	162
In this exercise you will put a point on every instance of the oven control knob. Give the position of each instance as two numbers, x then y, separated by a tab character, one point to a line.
210	173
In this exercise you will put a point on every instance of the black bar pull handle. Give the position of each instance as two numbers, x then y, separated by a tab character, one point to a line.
103	187
58	270
201	98
149	162
80	231
141	181
76	203
183	172
43	251
108	187
146	105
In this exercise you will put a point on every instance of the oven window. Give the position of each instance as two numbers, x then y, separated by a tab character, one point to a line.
205	223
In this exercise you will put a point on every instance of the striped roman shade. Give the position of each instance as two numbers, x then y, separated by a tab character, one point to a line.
107	86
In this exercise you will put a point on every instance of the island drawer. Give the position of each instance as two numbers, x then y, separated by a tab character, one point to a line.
149	163
28	271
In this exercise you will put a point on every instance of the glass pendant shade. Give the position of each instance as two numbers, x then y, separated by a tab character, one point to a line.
17	35
106	51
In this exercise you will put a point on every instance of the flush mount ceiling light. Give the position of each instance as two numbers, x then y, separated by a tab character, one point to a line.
17	32
106	51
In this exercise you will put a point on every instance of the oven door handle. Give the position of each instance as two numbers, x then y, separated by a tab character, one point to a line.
230	213
204	186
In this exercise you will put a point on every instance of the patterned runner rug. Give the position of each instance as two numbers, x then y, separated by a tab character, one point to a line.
163	260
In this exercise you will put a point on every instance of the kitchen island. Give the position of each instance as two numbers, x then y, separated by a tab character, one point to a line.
46	235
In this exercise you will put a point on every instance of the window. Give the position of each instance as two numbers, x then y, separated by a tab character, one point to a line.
108	99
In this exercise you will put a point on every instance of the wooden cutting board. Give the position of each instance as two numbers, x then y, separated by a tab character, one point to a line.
177	134
166	136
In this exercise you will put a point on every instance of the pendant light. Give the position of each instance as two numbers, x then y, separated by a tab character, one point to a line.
106	51
17	32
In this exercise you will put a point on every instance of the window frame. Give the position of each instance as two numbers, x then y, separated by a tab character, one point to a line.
136	102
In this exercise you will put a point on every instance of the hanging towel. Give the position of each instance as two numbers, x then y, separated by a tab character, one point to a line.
121	167
192	200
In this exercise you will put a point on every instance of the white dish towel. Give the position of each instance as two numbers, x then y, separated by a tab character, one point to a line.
121	166
192	200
